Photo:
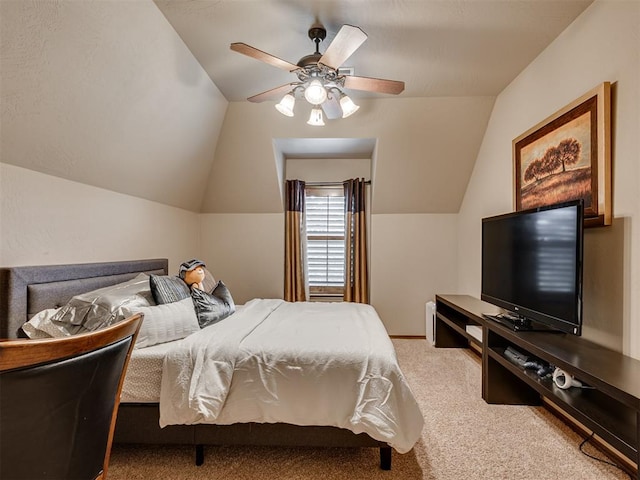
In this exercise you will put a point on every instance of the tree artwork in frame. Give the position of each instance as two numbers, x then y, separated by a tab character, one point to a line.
568	157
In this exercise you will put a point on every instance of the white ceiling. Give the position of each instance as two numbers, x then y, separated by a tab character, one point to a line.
438	48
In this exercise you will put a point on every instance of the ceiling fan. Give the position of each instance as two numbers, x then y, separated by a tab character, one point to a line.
320	81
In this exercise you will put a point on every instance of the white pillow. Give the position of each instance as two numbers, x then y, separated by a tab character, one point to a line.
165	323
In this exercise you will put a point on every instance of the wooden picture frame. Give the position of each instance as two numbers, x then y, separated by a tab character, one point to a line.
567	156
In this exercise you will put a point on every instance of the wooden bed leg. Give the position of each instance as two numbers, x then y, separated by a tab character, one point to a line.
385	458
199	455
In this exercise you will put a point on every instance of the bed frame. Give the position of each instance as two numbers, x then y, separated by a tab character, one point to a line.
25	291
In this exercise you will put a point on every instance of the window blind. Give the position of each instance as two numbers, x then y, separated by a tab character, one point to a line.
325	223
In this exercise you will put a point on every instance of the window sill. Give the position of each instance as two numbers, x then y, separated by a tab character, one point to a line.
325	298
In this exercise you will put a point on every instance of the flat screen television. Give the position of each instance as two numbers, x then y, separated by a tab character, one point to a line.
532	266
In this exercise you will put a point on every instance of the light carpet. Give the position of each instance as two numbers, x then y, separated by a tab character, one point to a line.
463	438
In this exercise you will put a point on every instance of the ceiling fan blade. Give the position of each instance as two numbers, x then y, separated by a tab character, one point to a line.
265	57
331	107
347	41
378	85
273	94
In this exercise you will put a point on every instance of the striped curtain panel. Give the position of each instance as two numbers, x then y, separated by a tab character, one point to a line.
295	282
356	287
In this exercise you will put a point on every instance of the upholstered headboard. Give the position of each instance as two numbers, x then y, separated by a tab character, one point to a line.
25	291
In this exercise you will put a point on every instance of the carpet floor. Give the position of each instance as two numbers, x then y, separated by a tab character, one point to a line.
463	438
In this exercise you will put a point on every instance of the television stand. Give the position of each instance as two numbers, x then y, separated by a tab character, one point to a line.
610	408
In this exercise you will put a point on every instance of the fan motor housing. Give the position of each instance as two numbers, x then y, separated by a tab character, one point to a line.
317	33
308	60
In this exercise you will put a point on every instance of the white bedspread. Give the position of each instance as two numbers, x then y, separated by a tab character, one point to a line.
305	363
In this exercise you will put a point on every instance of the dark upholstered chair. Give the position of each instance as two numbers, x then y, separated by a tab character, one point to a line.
59	400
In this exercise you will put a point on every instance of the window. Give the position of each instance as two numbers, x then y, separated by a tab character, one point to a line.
325	224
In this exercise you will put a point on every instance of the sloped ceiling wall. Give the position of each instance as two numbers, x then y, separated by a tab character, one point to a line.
107	94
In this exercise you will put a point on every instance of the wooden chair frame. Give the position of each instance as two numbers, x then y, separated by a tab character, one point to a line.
17	354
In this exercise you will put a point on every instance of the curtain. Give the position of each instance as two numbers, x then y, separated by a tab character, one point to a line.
295	281
356	269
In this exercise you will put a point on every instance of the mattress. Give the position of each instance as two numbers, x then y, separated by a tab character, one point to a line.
144	374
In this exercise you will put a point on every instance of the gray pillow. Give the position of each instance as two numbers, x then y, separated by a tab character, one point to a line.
213	307
103	307
167	289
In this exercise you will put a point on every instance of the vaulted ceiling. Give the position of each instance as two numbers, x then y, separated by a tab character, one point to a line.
145	98
438	48
455	57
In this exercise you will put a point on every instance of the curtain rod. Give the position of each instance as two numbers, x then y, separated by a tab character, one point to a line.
330	184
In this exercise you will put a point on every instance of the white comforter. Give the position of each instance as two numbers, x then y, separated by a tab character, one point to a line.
300	363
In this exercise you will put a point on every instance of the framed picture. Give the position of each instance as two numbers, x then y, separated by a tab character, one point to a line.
567	156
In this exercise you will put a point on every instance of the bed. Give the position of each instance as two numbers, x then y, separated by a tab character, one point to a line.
25	291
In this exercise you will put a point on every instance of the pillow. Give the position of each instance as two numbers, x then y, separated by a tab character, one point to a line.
103	307
167	289
213	307
40	325
165	323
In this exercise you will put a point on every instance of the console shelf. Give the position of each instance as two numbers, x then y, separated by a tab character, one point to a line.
615	423
452	318
610	408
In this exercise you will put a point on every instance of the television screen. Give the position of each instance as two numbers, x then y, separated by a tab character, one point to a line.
532	265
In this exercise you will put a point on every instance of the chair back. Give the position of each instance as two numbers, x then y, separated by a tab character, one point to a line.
59	400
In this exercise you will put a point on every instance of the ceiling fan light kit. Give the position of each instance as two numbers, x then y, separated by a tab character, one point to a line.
320	77
347	105
286	105
315	119
315	92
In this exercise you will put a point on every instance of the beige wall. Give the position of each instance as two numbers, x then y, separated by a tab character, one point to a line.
413	257
46	220
106	93
601	45
425	148
246	252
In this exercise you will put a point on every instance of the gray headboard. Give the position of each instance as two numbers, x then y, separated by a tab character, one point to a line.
25	291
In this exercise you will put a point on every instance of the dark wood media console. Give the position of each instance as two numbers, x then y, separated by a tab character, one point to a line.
610	408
